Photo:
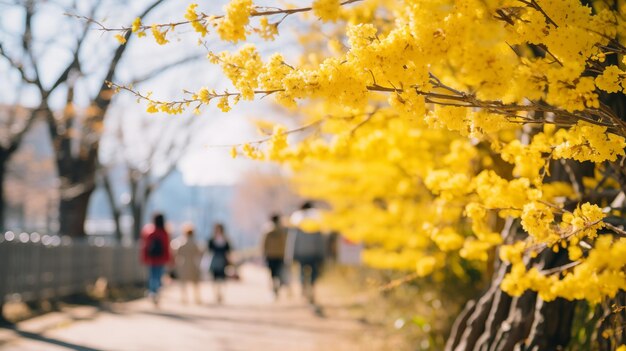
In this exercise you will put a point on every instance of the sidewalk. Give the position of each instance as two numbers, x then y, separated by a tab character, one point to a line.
248	319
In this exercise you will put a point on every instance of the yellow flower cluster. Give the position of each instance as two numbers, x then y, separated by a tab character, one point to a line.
599	275
172	109
447	239
136	27
237	16
252	152
192	16
242	68
582	142
327	10
528	159
584	222
159	36
611	80
425	266
448	184
204	95
120	38
587	142
537	221
267	30
509	197
223	104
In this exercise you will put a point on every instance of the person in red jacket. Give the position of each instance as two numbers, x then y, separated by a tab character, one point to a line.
155	253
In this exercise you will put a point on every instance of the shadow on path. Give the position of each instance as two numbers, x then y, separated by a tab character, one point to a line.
190	318
254	307
37	337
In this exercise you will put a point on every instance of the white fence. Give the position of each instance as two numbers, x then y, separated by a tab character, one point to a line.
35	267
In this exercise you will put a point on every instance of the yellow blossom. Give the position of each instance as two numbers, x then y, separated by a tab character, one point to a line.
159	36
136	25
192	16
327	10
120	38
233	26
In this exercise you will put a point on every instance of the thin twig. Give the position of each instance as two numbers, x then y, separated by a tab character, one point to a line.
364	121
264	140
202	17
560	268
397	282
616	230
535	5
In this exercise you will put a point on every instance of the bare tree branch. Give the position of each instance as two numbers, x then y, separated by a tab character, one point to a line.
103	98
17	138
17	66
27	41
156	72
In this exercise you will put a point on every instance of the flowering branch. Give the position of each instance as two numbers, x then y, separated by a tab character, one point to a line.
203	18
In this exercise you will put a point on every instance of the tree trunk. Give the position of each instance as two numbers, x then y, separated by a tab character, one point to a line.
138	211
610	332
77	172
73	213
115	210
141	190
118	226
134	204
499	322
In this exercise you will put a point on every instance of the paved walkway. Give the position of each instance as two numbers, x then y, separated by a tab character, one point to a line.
248	319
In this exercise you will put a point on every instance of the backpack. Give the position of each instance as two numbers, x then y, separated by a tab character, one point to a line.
154	247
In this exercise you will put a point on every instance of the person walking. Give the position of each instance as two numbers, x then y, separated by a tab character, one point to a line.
155	253
220	248
274	242
306	248
188	258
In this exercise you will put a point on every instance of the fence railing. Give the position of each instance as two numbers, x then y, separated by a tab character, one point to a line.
37	267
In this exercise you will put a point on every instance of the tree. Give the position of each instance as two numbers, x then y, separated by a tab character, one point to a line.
149	150
74	99
475	131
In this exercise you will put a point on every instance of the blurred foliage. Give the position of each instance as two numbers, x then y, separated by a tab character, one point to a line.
405	315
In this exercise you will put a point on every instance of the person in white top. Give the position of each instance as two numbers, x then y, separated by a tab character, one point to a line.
308	249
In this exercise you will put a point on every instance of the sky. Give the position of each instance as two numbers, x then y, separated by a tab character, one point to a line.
54	33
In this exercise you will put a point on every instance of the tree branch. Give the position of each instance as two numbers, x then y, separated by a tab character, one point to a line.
103	98
17	66
17	137
258	11
156	72
27	39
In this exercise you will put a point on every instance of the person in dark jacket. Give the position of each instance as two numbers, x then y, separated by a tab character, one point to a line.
274	242
155	253
220	248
